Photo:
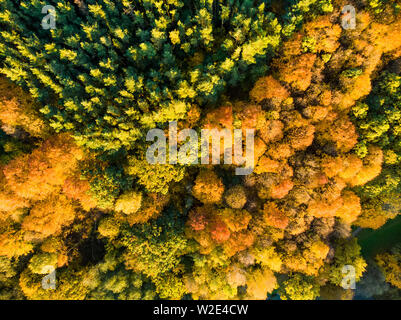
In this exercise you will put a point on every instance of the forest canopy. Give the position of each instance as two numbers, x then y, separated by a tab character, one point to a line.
78	195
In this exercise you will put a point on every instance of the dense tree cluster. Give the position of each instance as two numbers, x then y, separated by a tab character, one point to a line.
378	120
77	193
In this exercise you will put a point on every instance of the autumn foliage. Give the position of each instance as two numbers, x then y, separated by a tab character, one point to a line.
77	192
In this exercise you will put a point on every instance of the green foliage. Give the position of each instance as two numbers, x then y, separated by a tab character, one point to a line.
39	262
154	178
112	70
300	8
155	247
11	147
124	65
378	120
299	287
347	252
109	227
352	73
109	280
170	286
379	6
106	183
9	288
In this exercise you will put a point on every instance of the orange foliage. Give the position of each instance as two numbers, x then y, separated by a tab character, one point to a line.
281	190
324	33
324	208
221	117
331	166
78	189
350	209
237	242
48	217
272	131
341	132
8	200
198	218
316	113
35	176
280	151
228	227
17	108
251	115
259	148
301	137
235	219
351	166
208	187
265	164
297	72
293	46
219	231
268	88
274	217
193	115
325	98
345	166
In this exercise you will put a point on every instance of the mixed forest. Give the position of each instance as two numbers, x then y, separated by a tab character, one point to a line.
76	190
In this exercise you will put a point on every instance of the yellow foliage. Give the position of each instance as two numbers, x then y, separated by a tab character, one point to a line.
265	164
208	187
151	207
109	227
372	166
12	243
350	209
351	166
260	282
268	257
319	249
17	108
48	217
129	202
